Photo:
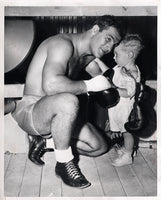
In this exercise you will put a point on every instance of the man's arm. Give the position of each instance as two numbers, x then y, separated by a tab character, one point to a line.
54	80
93	69
103	67
96	67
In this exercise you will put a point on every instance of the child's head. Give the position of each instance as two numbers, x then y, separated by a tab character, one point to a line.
128	50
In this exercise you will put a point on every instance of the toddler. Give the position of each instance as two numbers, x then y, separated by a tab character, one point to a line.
126	72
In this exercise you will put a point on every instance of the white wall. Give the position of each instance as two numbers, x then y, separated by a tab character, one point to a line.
82	11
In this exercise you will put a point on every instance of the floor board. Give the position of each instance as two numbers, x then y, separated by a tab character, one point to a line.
150	156
68	191
128	178
14	175
7	159
90	171
145	175
25	179
50	184
31	180
109	179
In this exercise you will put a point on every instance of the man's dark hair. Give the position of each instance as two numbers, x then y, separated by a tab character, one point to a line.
109	20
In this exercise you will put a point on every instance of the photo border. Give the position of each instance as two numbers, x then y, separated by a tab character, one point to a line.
4	3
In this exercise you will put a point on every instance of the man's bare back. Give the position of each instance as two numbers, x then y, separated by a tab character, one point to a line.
33	85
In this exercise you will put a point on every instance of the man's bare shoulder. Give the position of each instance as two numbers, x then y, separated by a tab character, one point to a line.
61	42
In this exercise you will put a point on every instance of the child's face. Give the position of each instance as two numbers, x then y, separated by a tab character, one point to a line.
120	55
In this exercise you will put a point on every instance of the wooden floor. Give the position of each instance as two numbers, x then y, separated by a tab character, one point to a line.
24	179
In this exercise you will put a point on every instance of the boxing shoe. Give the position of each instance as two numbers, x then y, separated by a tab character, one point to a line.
37	148
71	174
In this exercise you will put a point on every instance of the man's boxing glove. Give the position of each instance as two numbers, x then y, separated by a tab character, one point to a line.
107	98
98	83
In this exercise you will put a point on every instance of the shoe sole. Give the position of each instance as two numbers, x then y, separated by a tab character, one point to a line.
81	187
36	162
121	165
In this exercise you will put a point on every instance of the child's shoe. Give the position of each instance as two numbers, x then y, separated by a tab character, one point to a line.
120	151
124	159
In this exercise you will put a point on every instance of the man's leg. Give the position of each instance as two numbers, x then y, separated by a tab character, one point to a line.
91	141
56	115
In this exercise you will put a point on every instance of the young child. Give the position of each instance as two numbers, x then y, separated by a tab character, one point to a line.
125	72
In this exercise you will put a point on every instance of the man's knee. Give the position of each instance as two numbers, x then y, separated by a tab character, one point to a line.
95	144
99	143
101	147
94	139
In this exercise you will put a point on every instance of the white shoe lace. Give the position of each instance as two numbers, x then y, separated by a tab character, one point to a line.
73	170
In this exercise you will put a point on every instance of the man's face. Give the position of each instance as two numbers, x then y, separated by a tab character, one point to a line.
104	41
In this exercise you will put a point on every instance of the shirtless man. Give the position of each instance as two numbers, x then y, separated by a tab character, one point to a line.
50	104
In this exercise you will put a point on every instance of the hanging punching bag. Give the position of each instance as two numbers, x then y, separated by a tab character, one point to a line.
19	37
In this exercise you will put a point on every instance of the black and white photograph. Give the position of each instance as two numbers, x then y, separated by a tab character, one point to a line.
80	101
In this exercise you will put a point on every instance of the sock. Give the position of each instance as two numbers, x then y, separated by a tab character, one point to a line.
63	156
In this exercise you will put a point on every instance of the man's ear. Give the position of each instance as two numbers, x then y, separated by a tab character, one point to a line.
95	29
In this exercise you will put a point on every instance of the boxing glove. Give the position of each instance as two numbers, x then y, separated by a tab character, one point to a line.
107	98
98	83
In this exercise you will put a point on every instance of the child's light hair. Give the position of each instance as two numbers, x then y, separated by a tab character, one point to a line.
133	42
